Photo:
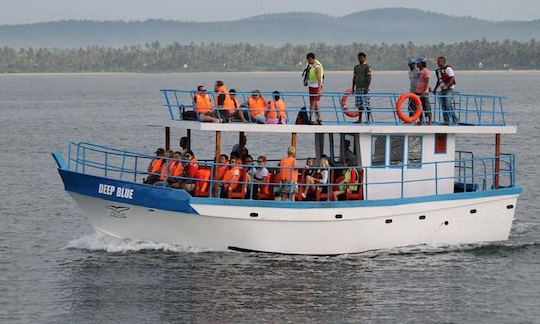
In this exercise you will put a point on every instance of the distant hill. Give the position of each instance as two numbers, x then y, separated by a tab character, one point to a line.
391	25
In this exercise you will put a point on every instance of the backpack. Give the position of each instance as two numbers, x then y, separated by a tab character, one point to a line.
305	75
303	117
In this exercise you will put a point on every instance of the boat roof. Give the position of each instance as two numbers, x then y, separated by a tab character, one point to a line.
352	128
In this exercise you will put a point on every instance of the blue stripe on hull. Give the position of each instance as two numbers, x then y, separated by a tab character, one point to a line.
141	195
178	200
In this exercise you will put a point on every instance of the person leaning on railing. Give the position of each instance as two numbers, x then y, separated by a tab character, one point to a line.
289	174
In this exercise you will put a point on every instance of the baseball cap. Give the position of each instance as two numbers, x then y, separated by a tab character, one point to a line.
411	61
421	59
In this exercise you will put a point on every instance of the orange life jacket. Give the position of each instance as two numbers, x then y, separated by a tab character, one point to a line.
155	165
176	169
220	173
228	103
203	103
276	109
286	172
165	170
256	105
236	102
231	176
193	167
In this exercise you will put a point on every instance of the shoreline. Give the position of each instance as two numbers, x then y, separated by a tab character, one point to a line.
232	72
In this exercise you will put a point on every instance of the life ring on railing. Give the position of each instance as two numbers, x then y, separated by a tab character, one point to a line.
417	112
343	102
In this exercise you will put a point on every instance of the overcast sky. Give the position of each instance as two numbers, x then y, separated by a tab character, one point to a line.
24	11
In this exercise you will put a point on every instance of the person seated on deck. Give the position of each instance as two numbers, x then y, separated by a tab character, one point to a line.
191	167
176	171
347	177
154	168
224	102
289	175
276	113
240	148
203	105
257	107
238	112
222	167
165	168
231	176
320	177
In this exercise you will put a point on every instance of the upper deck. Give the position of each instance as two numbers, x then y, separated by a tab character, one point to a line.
476	114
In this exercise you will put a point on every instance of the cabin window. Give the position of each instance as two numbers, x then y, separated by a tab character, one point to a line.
378	150
414	152
440	143
397	146
348	149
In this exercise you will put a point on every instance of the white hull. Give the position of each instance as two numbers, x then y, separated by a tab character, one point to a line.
309	231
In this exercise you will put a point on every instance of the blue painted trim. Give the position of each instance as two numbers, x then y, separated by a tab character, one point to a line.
142	195
356	203
59	159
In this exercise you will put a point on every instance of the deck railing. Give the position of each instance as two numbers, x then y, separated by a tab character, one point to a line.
471	174
470	109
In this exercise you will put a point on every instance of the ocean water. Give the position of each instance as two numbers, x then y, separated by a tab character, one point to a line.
53	268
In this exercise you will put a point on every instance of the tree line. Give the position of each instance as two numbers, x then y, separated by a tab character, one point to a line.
154	57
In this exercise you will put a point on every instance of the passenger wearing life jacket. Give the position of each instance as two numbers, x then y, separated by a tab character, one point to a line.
288	173
191	171
203	105
276	113
232	175
350	180
313	79
239	111
154	168
222	167
257	107
176	170
224	101
447	83
166	167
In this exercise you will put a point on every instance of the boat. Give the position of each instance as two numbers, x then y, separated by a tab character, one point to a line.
413	185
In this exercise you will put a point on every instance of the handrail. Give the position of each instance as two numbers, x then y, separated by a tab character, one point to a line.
124	165
471	109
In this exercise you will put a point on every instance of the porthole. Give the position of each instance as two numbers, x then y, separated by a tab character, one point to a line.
339	216
509	206
388	221
445	222
473	211
253	215
422	217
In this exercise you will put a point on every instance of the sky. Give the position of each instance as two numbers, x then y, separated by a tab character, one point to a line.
28	11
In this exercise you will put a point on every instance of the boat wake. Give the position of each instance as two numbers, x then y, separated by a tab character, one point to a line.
103	242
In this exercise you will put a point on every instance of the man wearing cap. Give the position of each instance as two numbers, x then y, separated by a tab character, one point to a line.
422	88
413	80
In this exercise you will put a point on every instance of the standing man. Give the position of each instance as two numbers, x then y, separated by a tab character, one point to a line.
447	83
313	79
422	89
413	80
360	87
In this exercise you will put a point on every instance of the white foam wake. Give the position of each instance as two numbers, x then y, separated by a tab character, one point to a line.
103	242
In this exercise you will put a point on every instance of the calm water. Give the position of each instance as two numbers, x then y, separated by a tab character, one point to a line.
54	269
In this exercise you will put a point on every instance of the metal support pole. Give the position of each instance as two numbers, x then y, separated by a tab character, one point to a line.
167	138
294	137
497	160
188	139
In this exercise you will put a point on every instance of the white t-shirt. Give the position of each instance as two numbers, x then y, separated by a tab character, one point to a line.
259	173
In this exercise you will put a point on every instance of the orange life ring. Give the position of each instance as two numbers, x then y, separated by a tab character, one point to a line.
343	103
417	112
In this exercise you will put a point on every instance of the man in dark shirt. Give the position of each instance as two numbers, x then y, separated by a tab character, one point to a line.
360	87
